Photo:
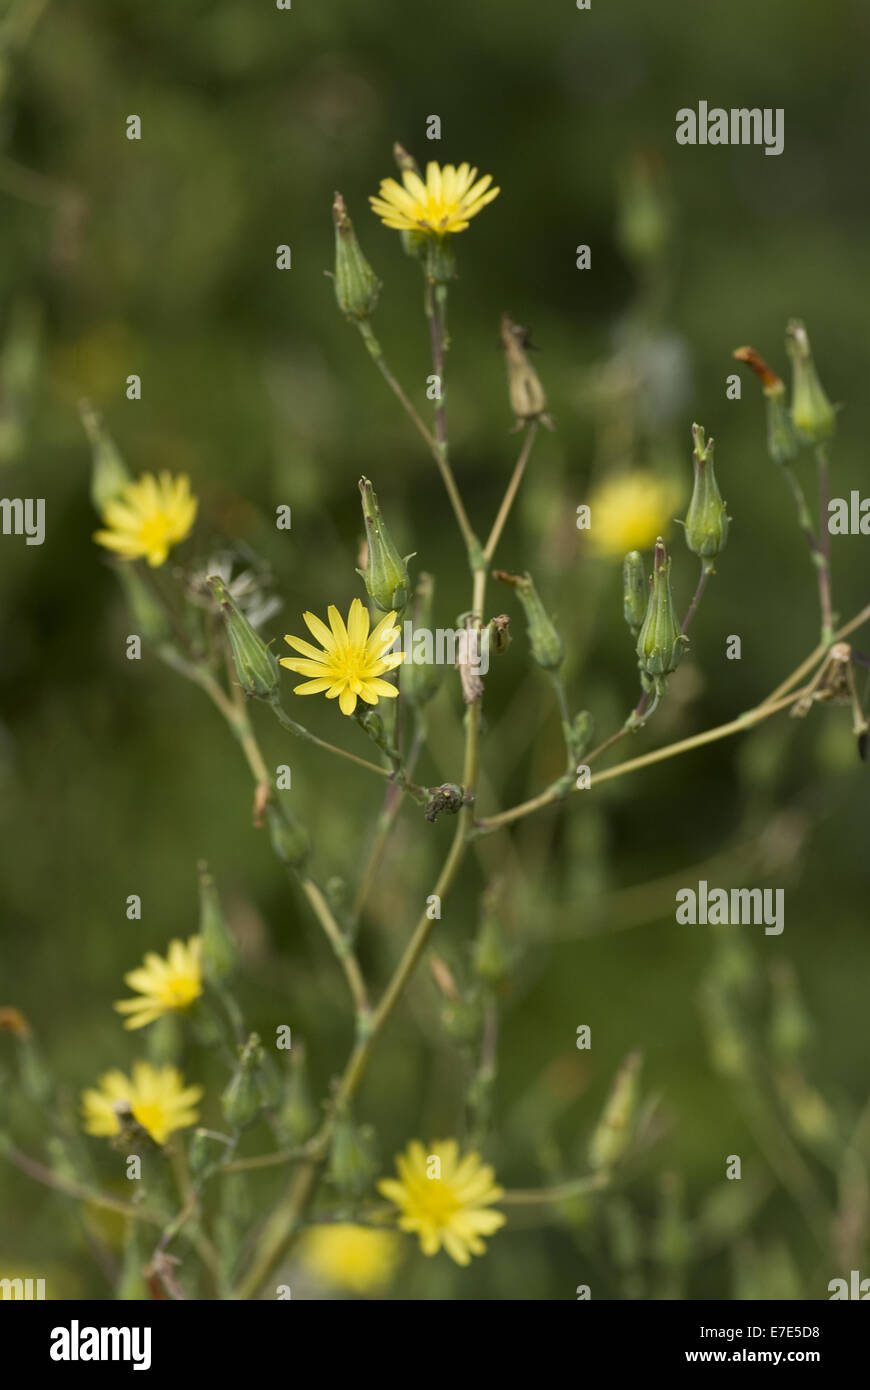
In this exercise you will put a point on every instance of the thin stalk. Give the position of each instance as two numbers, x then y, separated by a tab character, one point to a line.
510	494
823	555
436	447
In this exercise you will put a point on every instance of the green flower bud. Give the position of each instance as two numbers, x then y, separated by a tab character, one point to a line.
578	735
545	642
635	590
205	1154
612	1135
790	1025
419	680
660	644
492	955
109	475
386	573
256	667
812	414
462	1019
353	1162
782	444
706	522
356	285
290	839
220	954
242	1100
297	1118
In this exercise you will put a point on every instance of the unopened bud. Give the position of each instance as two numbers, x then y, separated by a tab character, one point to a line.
353	1163
297	1117
527	398
109	475
220	954
242	1099
290	839
256	667
706	522
635	590
386	573
578	735
660	644
812	414
356	285
545	642
612	1135
492	955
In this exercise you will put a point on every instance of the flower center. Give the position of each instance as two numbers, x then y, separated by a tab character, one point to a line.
155	530
180	991
439	1201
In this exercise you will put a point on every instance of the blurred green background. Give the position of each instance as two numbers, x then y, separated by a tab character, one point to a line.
158	257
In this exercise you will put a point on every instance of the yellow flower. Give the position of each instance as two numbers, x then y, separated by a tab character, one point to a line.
630	512
351	661
157	1096
449	1208
351	1257
165	985
446	202
148	517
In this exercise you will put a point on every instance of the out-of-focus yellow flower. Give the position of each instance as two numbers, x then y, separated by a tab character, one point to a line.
446	202
157	1096
351	1257
165	985
351	662
629	512
148	518
449	1209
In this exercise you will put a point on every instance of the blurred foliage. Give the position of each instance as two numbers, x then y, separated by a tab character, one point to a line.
158	257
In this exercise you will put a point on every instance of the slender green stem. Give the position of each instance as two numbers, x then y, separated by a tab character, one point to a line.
437	448
822	556
535	1196
511	492
79	1190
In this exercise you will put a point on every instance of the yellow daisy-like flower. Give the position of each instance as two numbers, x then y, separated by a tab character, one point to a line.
148	518
449	1209
351	1257
351	662
446	202
157	1096
630	512
165	985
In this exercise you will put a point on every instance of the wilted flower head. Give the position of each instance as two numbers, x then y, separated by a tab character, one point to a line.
446	202
445	1203
148	518
351	664
157	1096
